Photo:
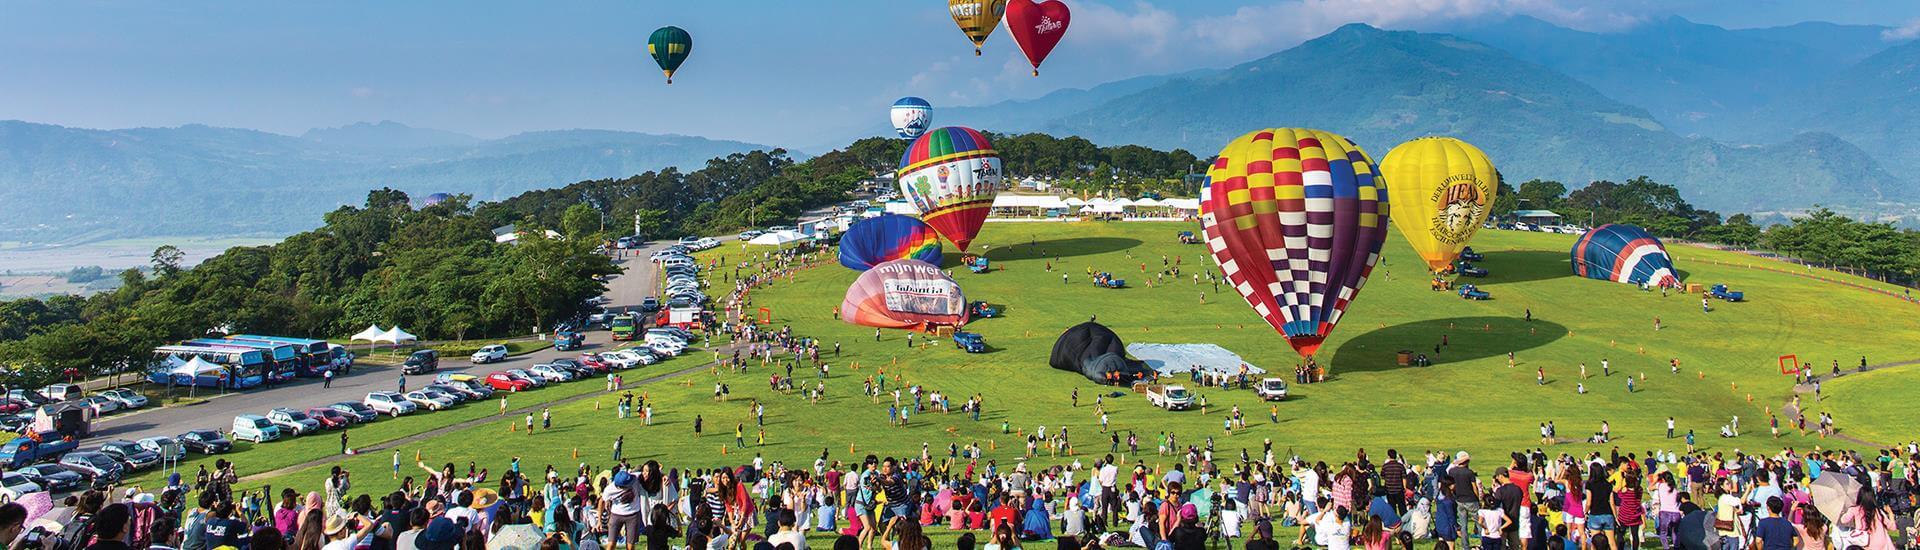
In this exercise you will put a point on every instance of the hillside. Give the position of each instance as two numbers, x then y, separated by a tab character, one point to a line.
60	182
1536	122
1874	103
1695	78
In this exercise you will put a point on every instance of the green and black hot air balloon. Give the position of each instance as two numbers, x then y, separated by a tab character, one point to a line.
669	47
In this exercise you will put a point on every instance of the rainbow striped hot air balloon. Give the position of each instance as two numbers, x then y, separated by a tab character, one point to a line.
951	175
1295	218
888	237
1625	254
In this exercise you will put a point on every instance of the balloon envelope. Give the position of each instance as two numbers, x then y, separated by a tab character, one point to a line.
1037	26
1295	218
436	198
951	175
669	47
1442	189
888	237
911	116
977	18
904	294
1625	254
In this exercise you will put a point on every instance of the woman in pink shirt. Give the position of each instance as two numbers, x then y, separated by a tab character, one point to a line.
1667	510
1873	526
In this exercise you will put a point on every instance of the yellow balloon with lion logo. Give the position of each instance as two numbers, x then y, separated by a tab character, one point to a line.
1441	190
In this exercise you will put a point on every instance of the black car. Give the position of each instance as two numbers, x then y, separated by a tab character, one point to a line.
571	365
650	305
421	362
204	442
130	454
54	477
356	411
100	469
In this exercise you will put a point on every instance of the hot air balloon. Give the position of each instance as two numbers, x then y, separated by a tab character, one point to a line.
951	175
904	294
1036	26
977	18
1295	218
888	237
435	198
1624	254
669	47
911	117
1442	190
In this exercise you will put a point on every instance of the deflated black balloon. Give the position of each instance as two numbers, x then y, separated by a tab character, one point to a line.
1093	350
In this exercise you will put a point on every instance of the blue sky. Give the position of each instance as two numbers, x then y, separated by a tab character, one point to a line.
770	71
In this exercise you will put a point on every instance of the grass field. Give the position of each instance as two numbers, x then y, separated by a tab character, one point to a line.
1469	399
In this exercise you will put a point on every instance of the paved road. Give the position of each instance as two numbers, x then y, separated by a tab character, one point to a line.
625	290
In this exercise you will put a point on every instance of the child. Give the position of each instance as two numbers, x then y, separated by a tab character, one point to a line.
1493	521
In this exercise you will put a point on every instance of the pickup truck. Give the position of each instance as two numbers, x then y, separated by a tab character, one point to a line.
24	451
1272	389
970	341
1172	397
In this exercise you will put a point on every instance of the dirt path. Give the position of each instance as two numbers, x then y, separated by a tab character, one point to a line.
1788	410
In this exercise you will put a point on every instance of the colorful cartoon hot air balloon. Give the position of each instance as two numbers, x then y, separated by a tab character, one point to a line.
886	238
977	18
669	47
1037	25
1295	218
1442	190
951	175
911	117
904	294
1624	254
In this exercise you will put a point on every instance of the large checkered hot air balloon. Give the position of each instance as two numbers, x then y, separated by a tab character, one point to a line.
888	237
951	175
1625	254
1295	218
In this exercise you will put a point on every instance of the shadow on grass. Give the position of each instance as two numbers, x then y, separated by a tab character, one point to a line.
1058	248
1468	338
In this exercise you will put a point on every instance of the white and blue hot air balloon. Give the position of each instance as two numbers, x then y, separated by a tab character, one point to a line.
912	116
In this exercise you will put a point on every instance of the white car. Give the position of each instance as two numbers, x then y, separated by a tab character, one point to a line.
128	399
14	485
620	359
490	353
706	243
749	234
664	338
667	349
100	405
389	403
549	373
432	401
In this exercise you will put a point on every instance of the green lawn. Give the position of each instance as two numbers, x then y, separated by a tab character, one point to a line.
1469	399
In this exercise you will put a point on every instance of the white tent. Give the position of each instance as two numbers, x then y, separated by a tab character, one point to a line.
1028	201
1149	201
1075	201
778	238
1182	204
395	336
373	331
1123	201
195	367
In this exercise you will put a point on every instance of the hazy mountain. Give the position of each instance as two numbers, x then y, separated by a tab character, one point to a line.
1694	78
1381	88
1874	103
1029	115
58	182
388	134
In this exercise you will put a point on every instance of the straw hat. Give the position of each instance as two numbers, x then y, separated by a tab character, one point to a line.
485	498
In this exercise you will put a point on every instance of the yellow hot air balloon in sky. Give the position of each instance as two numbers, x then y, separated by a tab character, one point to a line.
1441	189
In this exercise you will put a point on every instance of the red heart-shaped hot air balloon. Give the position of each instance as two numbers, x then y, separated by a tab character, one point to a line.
1037	25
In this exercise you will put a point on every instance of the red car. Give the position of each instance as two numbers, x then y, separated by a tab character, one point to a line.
10	406
506	382
593	361
328	417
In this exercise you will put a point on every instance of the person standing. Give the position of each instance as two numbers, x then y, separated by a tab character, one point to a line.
1669	427
326	379
529	423
618	442
546	418
403	383
343	441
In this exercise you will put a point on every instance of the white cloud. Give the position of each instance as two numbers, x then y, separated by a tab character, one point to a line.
1908	31
1147	30
1268	27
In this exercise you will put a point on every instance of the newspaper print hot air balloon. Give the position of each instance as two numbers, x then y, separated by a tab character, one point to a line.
1624	254
911	116
977	18
1442	190
669	47
1295	219
888	237
951	175
907	294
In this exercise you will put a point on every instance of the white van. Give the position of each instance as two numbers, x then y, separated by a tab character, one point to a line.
674	262
255	428
62	392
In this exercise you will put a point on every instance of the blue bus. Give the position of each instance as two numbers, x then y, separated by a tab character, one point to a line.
282	359
245	367
317	356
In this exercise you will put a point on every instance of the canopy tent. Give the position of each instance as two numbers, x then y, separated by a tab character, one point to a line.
778	238
1075	201
194	367
1149	202
373	331
395	336
1108	208
1123	201
1029	201
1181	358
1182	204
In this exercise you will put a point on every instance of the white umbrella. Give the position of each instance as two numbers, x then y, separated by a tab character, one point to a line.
1834	493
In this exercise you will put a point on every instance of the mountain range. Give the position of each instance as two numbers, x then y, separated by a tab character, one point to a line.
63	183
